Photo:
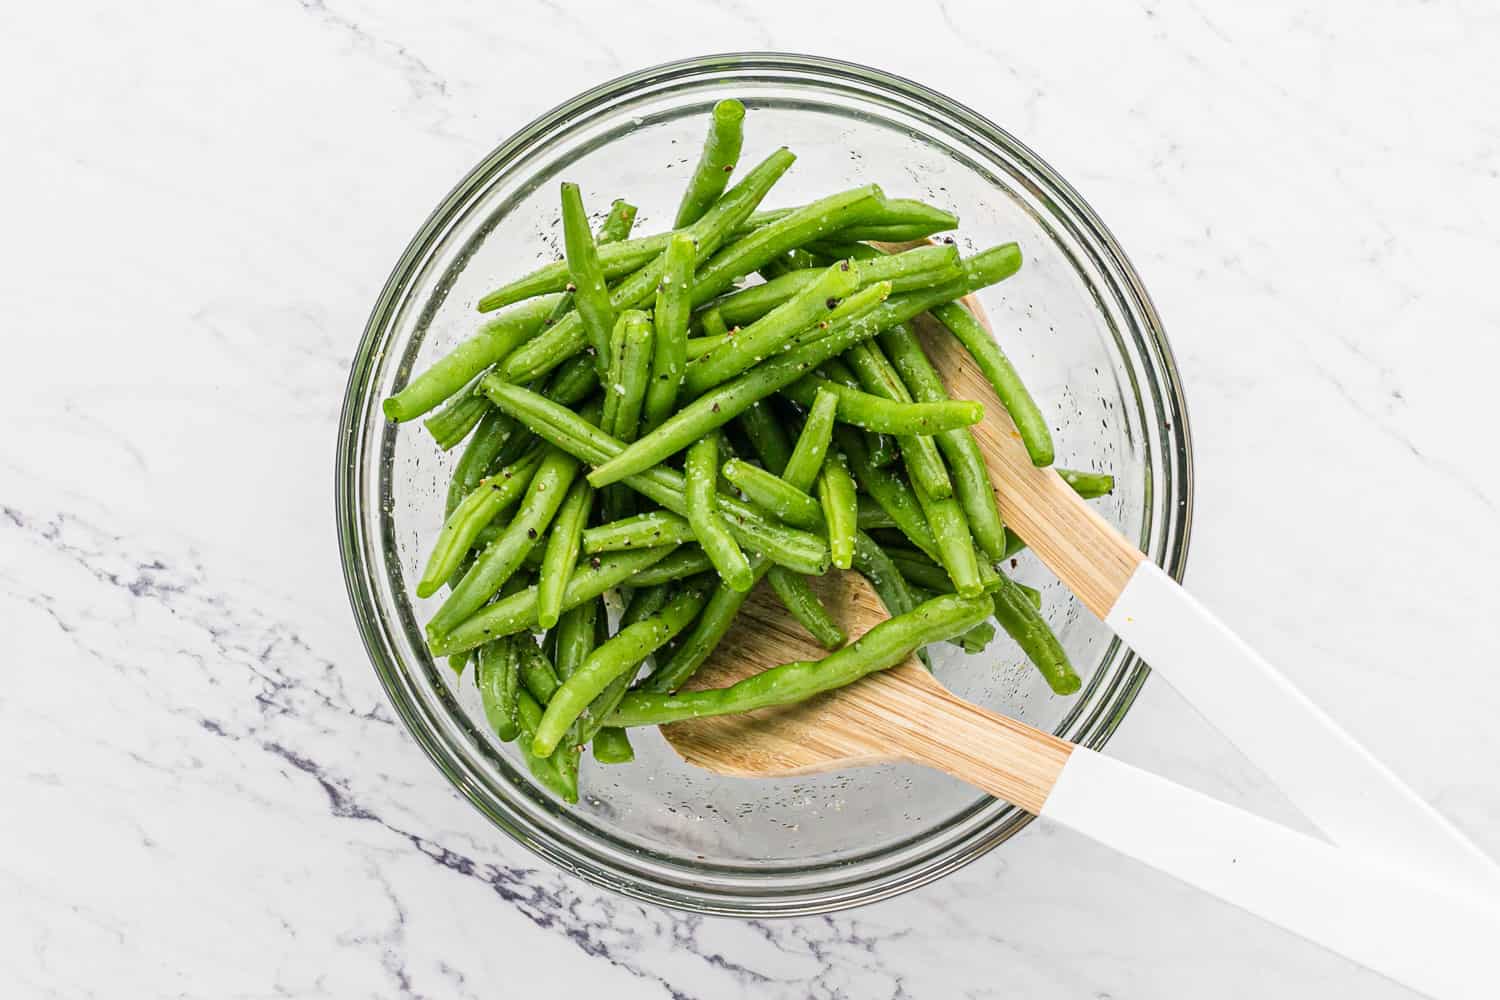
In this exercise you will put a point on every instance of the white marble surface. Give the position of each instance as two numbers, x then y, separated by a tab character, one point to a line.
204	792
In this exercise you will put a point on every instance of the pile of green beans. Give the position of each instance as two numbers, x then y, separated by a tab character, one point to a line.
652	425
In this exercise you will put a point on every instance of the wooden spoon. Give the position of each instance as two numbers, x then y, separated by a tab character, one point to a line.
1423	927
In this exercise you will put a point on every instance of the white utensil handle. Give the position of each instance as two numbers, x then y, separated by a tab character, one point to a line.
1416	932
1352	797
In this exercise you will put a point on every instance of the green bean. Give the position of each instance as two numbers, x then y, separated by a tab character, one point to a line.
721	151
771	492
616	260
767	435
971	478
567	338
872	517
495	340
740	257
918	268
799	599
538	675
975	640
615	227
875	565
673	305
885	645
922	572
498	678
699	346
882	447
458	416
801	469
634	374
576	636
570	384
924	466
1088	484
624	652
545	769
1023	623
955	544
725	402
714	621
562	551
518	612
713	324
544	494
658	527
686	561
840	509
469	518
772	332
494	430
906	218
878	413
1032	594
703	514
1001	374
794	549
590	293
612	746
893	495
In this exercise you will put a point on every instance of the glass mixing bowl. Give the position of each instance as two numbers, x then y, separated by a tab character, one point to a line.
1075	320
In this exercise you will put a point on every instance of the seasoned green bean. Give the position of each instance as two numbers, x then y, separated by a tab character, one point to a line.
538	676
703	514
590	293
919	453
495	340
884	646
658	527
617	260
771	333
562	551
836	492
576	636
544	494
878	413
955	544
567	337
624	652
1001	374
799	599
796	550
469	518
893	495
971	479
686	561
498	678
801	469
1088	484
882	447
884	217
714	621
872	517
771	492
713	324
1023	623
699	346
612	746
723	403
721	151
673	305
763	426
638	347
458	416
513	614
485	445
561	781
616	227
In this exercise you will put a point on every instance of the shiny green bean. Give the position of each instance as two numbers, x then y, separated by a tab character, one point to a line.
561	554
538	675
688	560
544	494
1024	623
801	469
658	527
498	677
673	305
798	598
557	779
624	652
836	493
893	495
769	491
878	413
712	624
518	612
970	475
496	339
884	646
485	445
919	453
1088	484
701	469
721	151
590	292
767	434
1002	376
493	495
568	337
458	416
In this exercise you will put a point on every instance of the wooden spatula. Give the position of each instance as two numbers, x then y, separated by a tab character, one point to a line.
1405	893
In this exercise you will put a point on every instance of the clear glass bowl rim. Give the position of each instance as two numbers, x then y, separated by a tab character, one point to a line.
641	877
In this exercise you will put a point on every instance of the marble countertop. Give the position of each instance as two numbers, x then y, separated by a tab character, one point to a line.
205	792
